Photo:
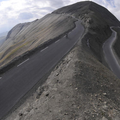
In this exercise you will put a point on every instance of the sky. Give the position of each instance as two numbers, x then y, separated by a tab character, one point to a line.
13	12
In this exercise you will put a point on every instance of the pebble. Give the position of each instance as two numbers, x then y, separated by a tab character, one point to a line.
105	102
20	114
104	93
99	99
96	95
47	94
66	114
57	74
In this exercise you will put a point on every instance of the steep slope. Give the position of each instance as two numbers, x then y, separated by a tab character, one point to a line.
97	21
27	36
79	87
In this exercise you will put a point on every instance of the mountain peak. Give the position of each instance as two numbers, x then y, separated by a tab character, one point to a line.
87	7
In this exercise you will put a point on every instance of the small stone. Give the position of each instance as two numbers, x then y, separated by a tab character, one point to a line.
105	102
20	114
96	95
99	99
28	109
104	93
105	107
76	88
104	118
57	74
47	94
66	114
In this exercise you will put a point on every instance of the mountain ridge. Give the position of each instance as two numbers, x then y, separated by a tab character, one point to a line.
32	35
92	6
97	26
97	21
80	86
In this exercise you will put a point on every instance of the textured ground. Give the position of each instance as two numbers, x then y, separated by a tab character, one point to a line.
75	90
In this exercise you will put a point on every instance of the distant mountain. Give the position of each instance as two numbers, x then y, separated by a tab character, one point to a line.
3	34
3	37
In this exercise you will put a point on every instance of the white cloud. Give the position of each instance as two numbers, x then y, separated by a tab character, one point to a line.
13	12
112	5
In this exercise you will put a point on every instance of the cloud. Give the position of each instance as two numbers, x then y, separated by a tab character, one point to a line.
25	16
13	12
56	3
